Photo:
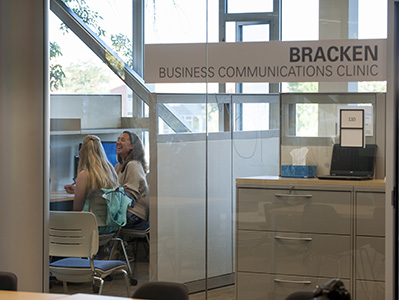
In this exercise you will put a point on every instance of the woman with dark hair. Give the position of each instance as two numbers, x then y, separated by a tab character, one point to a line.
131	171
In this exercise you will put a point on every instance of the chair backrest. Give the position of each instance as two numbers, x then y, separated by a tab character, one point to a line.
162	290
98	207
8	281
73	234
300	295
110	207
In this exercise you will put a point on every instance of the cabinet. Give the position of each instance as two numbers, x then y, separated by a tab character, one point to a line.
294	234
369	244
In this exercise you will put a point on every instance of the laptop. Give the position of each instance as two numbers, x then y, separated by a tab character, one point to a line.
350	163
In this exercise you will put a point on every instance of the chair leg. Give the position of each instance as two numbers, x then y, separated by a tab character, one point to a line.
64	284
127	282
147	245
100	290
126	258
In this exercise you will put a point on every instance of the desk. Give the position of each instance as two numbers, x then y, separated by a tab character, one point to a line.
11	295
61	196
61	201
94	297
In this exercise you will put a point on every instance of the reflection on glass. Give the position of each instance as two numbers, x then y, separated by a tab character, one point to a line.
194	169
317	115
192	115
321	120
115	64
307	119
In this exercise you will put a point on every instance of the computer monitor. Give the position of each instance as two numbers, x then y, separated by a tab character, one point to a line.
110	152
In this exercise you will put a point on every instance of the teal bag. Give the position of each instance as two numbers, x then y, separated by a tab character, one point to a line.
117	202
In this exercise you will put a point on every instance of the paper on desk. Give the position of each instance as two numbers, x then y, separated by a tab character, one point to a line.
299	156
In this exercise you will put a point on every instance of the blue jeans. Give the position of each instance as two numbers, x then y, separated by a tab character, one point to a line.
132	220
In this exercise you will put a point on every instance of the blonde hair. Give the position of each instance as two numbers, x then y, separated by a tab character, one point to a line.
100	172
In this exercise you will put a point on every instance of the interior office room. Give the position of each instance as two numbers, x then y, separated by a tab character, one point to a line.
215	149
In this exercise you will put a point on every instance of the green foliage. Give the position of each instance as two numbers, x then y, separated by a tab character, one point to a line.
86	78
57	75
372	87
312	87
303	87
55	50
123	46
120	43
88	16
307	119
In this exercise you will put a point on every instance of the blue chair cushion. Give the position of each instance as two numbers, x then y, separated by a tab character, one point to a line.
73	262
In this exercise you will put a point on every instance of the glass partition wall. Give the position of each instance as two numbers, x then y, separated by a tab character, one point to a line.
198	137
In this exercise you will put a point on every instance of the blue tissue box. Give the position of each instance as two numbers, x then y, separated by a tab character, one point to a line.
298	171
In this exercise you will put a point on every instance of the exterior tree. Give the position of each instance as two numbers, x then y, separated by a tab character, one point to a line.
86	78
57	75
120	43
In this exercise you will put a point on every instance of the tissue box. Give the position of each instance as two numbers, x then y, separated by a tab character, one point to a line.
298	171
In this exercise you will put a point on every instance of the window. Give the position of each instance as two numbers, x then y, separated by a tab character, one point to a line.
249	6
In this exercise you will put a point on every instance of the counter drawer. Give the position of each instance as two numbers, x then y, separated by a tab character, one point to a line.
370	258
297	211
293	254
370	213
369	290
254	286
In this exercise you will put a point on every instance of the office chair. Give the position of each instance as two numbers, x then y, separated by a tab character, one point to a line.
162	290
74	236
8	281
300	295
99	203
141	232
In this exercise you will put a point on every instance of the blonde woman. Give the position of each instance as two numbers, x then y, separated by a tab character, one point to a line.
94	172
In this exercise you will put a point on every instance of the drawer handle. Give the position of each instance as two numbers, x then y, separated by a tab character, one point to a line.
277	237
293	196
293	281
